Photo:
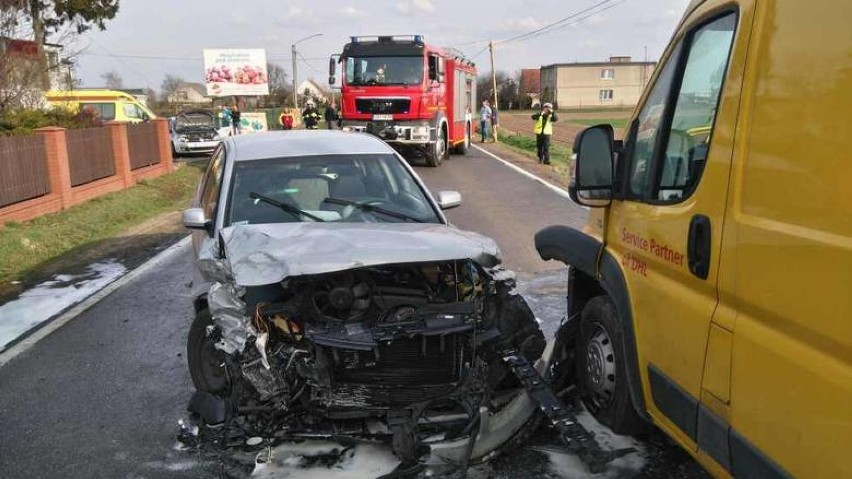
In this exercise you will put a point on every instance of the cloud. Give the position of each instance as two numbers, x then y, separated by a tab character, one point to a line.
411	6
522	24
351	12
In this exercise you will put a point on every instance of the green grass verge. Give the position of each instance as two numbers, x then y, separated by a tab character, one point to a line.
560	156
617	123
27	244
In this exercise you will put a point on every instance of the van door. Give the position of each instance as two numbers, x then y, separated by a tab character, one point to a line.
787	255
665	225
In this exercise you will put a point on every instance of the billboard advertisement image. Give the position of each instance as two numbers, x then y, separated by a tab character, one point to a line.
236	72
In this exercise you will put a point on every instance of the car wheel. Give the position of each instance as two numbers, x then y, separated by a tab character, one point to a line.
602	374
206	363
174	151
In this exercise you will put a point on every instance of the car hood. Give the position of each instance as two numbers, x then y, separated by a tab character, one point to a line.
194	120
266	254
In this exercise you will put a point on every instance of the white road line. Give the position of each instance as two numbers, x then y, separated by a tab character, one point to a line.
559	191
59	321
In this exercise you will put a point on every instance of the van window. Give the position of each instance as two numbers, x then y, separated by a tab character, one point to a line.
104	111
670	174
131	110
695	109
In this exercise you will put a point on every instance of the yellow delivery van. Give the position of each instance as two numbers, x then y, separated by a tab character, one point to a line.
107	105
711	291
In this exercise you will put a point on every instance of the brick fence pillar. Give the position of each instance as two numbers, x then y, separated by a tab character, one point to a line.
165	142
121	151
58	170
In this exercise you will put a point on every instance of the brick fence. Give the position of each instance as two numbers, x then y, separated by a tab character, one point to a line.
57	168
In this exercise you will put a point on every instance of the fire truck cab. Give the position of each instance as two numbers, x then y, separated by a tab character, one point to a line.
416	97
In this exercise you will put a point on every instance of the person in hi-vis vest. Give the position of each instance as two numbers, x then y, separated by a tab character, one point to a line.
543	131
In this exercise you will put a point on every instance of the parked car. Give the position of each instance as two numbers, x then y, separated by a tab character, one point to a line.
332	295
194	131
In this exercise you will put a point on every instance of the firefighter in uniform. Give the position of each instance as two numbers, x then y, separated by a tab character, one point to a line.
543	131
311	116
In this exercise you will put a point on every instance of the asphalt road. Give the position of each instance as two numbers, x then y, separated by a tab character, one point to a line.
102	395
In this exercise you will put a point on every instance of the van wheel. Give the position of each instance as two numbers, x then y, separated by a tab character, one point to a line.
206	363
601	372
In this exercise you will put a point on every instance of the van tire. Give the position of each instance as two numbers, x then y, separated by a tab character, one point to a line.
601	370
204	360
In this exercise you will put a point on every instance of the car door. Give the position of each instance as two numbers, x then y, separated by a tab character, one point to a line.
665	224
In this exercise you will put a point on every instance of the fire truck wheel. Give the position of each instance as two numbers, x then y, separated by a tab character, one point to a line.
462	148
437	152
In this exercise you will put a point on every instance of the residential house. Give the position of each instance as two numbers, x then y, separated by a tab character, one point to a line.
529	90
618	82
310	88
190	93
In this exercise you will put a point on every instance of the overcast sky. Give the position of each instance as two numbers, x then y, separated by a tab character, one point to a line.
173	33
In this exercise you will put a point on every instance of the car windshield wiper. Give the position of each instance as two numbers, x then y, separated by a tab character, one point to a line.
372	208
296	212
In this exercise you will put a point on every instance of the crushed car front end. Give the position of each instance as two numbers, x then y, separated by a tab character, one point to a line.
395	334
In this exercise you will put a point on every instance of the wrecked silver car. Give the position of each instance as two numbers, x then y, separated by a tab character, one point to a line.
333	299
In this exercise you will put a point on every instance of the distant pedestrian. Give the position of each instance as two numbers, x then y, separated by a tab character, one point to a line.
310	116
494	123
331	116
236	119
285	120
226	116
543	131
484	120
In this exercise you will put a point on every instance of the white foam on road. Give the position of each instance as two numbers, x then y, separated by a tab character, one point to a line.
46	300
290	460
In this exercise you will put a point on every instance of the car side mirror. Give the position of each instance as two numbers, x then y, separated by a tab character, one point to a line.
194	219
449	199
592	178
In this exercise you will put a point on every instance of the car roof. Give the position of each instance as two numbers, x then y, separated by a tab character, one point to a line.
294	143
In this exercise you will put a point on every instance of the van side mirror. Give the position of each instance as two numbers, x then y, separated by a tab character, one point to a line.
592	178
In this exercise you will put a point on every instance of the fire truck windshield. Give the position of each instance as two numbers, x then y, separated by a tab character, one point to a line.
384	70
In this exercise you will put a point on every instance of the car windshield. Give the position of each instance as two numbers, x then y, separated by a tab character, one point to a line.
384	70
334	188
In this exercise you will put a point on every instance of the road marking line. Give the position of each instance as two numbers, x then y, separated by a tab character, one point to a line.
52	325
559	191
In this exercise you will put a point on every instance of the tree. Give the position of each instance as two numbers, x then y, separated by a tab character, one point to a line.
112	80
279	87
48	17
169	86
506	85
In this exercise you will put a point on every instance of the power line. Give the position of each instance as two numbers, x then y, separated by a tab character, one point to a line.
191	59
550	26
567	24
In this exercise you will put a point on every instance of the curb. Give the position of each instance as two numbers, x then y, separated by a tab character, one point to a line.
57	322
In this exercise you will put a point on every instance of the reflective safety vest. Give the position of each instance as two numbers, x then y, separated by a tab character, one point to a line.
544	123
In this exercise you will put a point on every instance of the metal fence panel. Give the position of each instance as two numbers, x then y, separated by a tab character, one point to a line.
23	169
144	145
90	155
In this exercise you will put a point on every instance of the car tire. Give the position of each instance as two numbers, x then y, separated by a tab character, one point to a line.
601	370
175	154
206	363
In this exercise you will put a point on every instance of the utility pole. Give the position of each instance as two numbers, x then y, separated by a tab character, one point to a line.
293	53
493	80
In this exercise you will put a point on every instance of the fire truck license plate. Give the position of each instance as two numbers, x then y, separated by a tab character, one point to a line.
382	117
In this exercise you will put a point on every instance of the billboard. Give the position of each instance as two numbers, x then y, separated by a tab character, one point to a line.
236	72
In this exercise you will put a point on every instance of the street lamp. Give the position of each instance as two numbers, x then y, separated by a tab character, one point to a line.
293	54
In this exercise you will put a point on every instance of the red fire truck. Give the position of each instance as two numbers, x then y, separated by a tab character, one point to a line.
415	96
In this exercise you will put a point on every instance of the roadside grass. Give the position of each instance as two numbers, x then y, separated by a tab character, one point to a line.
617	123
560	155
23	245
